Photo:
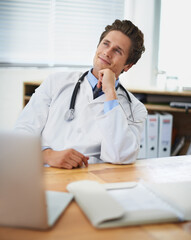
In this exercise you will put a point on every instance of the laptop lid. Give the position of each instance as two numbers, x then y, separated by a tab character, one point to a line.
22	195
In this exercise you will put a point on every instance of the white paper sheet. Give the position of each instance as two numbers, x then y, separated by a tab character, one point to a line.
141	198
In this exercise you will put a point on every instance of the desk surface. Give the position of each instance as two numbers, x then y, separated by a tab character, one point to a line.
74	225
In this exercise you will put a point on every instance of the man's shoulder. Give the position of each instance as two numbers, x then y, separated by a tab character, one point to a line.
134	100
133	97
65	76
59	80
138	105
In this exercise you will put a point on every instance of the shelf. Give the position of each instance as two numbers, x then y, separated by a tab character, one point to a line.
27	98
160	92
28	90
166	108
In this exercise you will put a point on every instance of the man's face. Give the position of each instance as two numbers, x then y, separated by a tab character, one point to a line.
112	53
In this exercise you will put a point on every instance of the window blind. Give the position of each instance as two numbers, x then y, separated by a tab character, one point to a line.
54	32
175	39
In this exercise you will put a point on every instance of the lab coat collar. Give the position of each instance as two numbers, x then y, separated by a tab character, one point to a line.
88	91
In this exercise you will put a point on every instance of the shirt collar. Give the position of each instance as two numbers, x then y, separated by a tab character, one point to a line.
93	80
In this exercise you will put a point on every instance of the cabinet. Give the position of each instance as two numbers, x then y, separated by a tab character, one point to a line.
158	101
154	100
28	90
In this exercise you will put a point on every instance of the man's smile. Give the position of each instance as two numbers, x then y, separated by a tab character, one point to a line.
104	60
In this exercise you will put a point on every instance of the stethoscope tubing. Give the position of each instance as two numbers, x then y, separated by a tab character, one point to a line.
70	113
76	89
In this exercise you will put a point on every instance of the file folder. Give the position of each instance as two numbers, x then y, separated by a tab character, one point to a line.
152	136
165	134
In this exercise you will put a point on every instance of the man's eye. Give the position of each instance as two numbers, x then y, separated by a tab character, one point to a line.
118	51
105	43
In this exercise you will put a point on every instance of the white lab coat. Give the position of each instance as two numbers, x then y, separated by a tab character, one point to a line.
111	137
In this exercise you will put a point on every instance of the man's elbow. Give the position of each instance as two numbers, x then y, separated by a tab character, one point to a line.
126	157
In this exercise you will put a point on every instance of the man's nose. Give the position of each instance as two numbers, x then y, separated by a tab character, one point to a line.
108	52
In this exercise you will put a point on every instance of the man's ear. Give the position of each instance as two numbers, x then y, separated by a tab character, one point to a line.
127	67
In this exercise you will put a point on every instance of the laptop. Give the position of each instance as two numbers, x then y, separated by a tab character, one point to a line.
23	200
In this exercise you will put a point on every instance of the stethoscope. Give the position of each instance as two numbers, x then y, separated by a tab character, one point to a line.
69	116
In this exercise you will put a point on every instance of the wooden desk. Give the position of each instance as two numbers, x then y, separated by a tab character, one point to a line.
73	224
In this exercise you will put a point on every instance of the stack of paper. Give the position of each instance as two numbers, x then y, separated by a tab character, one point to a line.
132	203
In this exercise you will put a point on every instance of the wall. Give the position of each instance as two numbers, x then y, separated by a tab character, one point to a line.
142	75
11	90
144	14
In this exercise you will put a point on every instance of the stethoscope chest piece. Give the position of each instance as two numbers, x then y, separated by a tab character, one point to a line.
69	115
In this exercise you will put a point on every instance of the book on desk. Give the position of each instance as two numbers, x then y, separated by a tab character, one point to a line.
132	203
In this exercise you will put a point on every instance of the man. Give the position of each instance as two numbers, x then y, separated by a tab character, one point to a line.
104	129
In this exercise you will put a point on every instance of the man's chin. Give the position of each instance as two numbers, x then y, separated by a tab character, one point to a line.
102	66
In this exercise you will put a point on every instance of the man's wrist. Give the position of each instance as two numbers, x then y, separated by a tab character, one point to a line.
110	94
47	155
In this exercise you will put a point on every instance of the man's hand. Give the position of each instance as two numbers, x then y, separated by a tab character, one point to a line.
106	80
69	158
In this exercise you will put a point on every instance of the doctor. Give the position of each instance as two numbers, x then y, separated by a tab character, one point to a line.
106	128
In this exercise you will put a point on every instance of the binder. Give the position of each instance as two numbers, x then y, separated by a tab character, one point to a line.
165	134
152	135
178	145
143	144
132	203
189	149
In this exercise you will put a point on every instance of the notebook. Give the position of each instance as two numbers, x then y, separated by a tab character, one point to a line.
132	203
23	200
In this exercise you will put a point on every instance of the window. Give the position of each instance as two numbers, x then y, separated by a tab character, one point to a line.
175	39
54	32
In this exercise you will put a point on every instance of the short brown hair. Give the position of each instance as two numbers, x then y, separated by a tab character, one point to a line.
131	31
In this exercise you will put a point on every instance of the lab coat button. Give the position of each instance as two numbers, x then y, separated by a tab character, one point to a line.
79	130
